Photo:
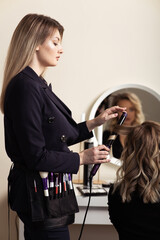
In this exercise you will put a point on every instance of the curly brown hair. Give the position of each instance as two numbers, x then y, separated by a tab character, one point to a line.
140	170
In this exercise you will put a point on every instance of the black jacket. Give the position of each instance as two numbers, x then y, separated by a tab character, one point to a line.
38	130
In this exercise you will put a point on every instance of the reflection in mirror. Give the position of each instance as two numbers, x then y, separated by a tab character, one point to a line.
150	103
149	99
134	116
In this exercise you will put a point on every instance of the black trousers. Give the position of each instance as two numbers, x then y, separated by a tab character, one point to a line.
61	233
37	231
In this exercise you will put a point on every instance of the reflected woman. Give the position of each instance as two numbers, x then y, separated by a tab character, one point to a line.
134	116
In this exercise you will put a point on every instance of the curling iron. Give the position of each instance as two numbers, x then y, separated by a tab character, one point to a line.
109	143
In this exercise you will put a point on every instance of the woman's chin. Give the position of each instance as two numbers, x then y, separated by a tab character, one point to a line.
127	124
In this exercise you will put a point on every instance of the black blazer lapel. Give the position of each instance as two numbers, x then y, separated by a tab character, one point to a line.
58	102
62	107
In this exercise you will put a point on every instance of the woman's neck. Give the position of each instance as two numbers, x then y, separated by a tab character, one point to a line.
37	66
122	139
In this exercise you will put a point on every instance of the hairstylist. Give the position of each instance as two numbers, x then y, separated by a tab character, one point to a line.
38	130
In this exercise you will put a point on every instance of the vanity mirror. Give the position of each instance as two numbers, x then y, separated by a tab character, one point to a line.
150	103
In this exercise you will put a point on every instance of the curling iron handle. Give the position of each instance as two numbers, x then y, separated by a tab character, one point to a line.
94	169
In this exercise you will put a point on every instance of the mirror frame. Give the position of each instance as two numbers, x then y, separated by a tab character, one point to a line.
112	90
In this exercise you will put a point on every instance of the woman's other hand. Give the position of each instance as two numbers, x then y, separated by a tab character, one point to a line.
104	116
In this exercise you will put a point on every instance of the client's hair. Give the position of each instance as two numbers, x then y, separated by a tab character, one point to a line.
140	169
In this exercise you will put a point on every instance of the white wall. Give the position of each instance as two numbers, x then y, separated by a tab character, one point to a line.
106	43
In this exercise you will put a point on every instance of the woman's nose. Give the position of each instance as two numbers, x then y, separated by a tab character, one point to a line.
61	50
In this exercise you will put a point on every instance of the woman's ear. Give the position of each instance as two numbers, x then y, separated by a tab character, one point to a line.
37	48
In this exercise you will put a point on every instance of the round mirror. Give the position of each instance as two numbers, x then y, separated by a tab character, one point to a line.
150	103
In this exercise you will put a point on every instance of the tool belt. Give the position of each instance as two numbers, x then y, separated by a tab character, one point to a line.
60	199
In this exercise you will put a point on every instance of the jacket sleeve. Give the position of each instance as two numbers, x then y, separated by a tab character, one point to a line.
83	133
23	109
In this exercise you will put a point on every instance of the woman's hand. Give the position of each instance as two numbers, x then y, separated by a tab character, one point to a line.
94	155
104	116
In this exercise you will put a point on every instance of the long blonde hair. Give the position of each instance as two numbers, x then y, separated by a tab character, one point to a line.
31	31
133	98
140	170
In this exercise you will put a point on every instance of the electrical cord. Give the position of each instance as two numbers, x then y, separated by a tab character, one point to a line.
89	199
